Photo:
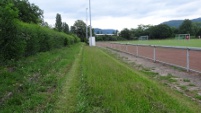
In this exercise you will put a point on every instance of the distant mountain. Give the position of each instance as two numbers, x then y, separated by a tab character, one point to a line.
104	31
177	23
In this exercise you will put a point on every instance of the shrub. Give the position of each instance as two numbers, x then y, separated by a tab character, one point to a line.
29	39
11	44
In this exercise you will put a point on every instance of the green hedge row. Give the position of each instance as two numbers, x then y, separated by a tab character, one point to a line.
32	38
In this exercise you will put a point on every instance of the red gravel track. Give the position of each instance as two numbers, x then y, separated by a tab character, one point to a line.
173	56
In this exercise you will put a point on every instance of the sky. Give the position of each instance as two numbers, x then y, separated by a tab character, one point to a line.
119	14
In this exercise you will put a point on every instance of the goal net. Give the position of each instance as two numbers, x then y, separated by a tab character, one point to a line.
182	36
143	37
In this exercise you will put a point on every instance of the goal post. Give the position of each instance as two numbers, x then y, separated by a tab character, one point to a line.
182	36
146	37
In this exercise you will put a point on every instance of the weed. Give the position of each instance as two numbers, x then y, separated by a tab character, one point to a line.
198	97
178	68
186	80
172	80
183	87
169	78
191	84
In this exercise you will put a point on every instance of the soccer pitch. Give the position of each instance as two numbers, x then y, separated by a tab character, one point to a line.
173	42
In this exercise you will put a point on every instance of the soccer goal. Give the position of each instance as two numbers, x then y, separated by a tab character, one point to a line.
143	37
182	36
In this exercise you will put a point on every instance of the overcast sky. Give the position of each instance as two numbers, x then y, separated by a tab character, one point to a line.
119	14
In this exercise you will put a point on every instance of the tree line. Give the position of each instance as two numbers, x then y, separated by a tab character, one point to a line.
23	31
161	31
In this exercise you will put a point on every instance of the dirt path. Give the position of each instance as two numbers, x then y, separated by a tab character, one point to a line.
188	83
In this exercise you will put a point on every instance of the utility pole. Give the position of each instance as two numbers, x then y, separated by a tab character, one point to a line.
90	40
87	23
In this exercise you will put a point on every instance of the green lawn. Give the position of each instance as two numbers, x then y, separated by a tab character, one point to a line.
173	42
111	86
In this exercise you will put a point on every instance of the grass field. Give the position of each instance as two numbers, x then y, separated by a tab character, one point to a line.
111	86
82	79
173	42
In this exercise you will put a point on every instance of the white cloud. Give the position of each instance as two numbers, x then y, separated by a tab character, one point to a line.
119	14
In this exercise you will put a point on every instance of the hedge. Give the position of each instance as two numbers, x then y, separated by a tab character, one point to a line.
32	38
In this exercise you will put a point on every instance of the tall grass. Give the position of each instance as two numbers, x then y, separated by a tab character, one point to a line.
67	98
111	86
33	84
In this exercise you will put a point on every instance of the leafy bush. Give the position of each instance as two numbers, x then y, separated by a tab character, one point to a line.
29	39
18	39
40	39
11	45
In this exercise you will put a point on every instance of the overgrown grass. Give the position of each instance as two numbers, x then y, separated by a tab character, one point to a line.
68	98
32	85
173	42
111	86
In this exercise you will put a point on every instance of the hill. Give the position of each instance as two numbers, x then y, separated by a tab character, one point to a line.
104	31
177	23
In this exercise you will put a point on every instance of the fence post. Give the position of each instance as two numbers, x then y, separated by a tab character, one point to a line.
137	49
126	48
187	59
154	53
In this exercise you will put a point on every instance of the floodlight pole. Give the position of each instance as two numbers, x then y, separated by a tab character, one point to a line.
90	18
86	23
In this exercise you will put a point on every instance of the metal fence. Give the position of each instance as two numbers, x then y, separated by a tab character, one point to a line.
187	58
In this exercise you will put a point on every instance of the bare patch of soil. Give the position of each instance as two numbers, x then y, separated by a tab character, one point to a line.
188	83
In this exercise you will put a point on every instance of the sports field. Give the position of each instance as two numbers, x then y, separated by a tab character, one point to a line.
173	42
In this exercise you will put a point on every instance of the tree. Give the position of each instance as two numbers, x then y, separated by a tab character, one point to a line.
196	27
45	24
58	24
133	33
29	13
140	31
161	31
79	28
65	28
174	31
72	29
10	43
199	32
125	33
186	27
